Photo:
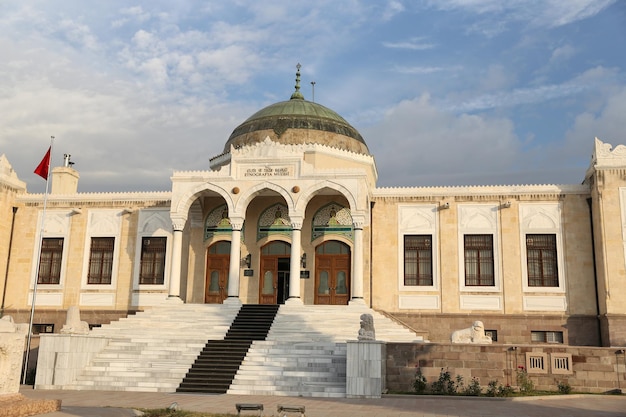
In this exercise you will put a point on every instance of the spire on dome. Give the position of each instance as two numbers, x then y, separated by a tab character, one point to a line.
297	95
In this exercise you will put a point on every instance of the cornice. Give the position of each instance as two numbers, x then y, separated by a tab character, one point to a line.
480	190
86	199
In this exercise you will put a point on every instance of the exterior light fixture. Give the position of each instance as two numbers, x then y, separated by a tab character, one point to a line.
248	260
303	261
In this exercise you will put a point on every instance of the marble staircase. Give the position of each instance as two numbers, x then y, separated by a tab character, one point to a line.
152	350
303	354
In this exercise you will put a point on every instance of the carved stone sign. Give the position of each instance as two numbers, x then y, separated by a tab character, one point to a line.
268	171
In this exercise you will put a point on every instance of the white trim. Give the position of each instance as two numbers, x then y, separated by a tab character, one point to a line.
479	219
418	219
99	299
152	223
419	302
50	299
542	218
57	225
148	299
481	302
545	303
102	223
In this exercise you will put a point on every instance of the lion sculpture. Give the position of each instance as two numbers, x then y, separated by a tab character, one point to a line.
366	332
474	334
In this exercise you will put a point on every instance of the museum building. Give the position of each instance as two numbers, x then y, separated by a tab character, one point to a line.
289	213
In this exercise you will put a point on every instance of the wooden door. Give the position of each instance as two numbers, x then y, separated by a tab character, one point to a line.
332	279
216	287
268	282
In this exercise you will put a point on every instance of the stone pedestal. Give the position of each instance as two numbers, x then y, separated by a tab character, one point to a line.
11	356
365	369
62	357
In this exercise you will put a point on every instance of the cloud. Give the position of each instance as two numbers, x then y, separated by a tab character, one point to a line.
418	144
589	80
414	44
498	15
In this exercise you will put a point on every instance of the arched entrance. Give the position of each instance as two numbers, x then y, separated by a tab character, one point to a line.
216	278
274	279
332	273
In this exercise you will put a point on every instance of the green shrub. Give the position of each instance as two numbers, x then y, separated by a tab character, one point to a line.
564	387
420	385
474	388
444	385
525	384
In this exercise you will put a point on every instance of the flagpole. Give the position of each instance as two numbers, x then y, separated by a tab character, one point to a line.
41	233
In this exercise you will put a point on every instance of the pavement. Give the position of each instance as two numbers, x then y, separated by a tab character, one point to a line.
122	403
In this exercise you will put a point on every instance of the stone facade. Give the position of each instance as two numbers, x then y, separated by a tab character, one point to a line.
277	220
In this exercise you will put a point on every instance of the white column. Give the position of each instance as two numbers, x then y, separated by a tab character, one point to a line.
357	266
235	264
294	265
177	249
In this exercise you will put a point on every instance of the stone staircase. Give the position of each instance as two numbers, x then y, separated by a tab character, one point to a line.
303	354
153	350
214	369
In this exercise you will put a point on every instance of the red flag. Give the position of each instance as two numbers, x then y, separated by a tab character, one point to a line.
44	165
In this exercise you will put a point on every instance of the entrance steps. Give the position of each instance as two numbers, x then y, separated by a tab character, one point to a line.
303	354
153	350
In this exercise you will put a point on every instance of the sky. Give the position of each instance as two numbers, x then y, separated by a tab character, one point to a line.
444	92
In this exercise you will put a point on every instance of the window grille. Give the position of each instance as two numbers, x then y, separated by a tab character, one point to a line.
418	260
50	261
479	260
100	260
542	260
561	363
152	271
536	363
541	336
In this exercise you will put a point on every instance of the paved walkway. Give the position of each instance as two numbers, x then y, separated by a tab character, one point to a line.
119	404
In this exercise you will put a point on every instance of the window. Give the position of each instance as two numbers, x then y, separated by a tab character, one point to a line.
152	271
50	261
43	328
100	260
493	334
418	260
542	336
541	258
479	260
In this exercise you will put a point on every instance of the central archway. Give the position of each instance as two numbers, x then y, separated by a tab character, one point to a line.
274	279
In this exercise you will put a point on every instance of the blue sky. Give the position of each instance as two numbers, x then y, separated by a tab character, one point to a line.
446	92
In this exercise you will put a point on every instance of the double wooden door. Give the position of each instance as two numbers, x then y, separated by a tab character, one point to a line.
332	279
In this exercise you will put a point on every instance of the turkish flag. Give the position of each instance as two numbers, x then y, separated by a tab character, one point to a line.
44	165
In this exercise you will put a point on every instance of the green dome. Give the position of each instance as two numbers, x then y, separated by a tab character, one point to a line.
298	121
294	114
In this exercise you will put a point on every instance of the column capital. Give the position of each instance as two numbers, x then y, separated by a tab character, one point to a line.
358	222
178	223
296	222
236	222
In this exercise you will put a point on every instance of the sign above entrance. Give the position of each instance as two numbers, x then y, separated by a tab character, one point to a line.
267	171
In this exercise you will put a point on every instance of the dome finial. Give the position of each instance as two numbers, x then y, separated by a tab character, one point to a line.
297	95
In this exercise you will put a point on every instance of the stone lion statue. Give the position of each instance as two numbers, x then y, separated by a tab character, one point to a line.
474	334
366	332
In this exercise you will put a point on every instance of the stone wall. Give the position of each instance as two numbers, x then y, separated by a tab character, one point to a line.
585	369
511	329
